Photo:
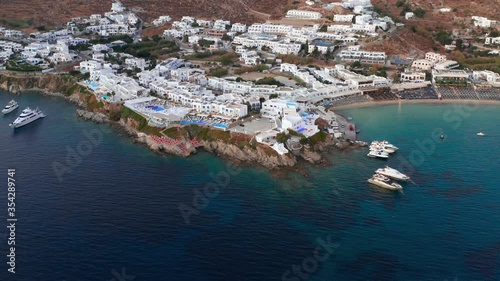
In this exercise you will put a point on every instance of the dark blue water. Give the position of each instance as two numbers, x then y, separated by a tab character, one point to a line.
117	207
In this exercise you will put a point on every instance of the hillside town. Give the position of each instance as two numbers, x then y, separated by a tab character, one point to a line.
269	78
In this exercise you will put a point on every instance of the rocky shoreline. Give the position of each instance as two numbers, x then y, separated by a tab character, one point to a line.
230	150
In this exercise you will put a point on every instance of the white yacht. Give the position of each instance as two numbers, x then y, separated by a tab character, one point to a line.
384	184
392	173
480	134
382	147
378	154
11	106
386	145
27	116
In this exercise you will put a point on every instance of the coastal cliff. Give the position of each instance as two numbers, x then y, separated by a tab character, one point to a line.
182	141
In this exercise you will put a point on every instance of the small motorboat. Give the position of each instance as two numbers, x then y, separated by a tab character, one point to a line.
378	154
481	134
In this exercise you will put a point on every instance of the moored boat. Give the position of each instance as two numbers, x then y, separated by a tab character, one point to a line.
382	147
11	106
27	116
385	144
392	173
378	154
387	185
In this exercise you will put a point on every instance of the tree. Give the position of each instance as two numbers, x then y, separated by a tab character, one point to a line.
218	72
304	47
356	64
226	60
459	43
268	81
494	33
400	3
315	52
152	63
419	12
143	54
205	43
443	37
323	28
156	38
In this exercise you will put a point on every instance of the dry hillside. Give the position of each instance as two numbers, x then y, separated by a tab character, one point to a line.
52	12
461	8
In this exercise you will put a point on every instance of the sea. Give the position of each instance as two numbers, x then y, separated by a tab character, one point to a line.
91	204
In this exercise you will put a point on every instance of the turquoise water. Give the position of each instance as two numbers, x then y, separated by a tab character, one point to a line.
120	206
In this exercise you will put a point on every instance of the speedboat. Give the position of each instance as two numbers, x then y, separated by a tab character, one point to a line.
378	154
480	134
381	177
27	116
11	106
387	185
386	145
383	147
392	173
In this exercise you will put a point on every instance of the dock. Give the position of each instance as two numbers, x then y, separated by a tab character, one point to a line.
344	127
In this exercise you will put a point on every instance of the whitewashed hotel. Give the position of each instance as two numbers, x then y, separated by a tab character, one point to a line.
302	14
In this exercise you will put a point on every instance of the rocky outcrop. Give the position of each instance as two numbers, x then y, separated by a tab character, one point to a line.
47	84
96	117
260	155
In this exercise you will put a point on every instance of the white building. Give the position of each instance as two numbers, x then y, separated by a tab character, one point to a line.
117	7
446	65
161	20
490	77
434	57
449	76
354	3
100	48
239	27
363	56
343	18
250	58
363	19
60	58
422	64
322	47
482	22
492	41
221	24
274	107
409	15
412	76
136	63
302	14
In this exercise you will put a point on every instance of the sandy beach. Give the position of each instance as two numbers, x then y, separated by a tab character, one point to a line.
373	103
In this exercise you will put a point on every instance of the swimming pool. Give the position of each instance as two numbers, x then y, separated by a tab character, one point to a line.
222	126
156	107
